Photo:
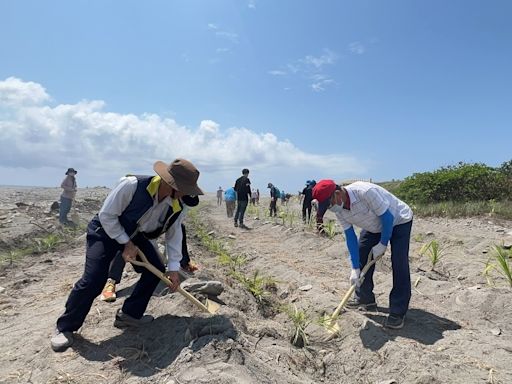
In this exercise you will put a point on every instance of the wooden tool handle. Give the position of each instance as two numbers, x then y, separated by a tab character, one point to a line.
146	264
371	261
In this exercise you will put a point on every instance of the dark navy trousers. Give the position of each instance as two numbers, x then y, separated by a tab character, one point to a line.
400	295
241	206
100	252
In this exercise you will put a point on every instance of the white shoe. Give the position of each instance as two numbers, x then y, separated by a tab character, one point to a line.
61	340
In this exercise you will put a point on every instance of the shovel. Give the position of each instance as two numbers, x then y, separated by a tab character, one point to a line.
330	322
209	306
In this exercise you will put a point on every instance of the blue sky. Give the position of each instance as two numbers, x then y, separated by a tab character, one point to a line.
293	90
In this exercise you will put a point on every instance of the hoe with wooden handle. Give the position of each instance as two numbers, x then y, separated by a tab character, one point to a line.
209	306
330	322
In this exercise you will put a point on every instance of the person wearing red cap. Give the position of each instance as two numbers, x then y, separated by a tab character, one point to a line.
383	219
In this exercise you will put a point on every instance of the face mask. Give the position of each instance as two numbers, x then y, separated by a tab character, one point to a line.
337	208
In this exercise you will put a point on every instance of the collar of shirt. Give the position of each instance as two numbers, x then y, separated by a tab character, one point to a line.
351	197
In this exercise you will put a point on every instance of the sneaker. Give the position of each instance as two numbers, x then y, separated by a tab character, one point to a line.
109	291
243	226
356	304
189	269
394	321
123	320
60	341
236	224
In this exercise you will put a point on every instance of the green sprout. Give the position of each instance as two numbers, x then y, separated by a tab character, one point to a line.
300	320
501	263
330	228
434	250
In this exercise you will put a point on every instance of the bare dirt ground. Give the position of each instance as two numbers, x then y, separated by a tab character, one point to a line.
458	329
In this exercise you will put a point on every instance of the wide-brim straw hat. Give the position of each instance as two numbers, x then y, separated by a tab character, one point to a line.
181	174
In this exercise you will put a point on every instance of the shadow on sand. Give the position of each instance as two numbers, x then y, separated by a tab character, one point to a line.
422	326
147	350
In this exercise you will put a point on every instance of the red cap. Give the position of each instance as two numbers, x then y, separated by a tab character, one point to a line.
322	191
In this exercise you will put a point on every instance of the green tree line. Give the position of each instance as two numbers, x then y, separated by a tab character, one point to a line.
463	182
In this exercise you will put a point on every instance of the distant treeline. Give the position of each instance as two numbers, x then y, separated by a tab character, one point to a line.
464	182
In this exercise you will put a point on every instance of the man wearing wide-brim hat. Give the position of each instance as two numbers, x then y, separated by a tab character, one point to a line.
137	210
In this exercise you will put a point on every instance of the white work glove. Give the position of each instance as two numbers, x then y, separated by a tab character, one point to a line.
379	250
354	277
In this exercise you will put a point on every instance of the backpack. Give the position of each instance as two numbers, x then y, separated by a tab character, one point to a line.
277	193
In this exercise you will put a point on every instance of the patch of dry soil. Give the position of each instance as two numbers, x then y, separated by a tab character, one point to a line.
458	329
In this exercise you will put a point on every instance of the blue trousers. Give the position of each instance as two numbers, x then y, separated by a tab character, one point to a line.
100	251
64	208
241	206
400	295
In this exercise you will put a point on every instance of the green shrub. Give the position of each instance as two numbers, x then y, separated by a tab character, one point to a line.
462	182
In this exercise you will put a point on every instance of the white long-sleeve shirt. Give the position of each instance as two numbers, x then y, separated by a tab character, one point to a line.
367	202
117	201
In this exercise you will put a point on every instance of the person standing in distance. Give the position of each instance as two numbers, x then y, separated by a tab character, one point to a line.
243	195
69	188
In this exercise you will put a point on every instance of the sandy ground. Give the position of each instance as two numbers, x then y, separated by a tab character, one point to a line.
458	329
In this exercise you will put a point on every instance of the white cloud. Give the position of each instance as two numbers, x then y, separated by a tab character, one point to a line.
104	145
252	4
13	91
223	34
277	72
328	58
311	67
231	36
357	47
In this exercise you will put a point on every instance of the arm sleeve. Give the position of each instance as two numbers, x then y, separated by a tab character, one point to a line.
114	205
173	241
353	247
387	226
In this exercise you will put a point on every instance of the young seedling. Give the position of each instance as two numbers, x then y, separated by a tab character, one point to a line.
434	250
502	263
311	223
256	285
300	320
330	228
47	244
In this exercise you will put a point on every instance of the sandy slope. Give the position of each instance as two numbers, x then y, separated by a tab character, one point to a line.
457	331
